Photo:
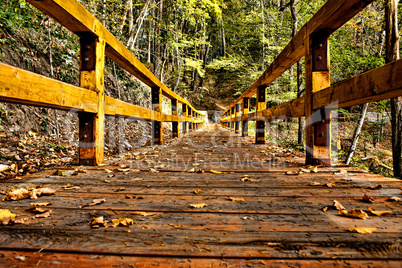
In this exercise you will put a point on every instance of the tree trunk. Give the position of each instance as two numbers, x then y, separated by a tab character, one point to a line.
392	54
223	39
356	135
123	20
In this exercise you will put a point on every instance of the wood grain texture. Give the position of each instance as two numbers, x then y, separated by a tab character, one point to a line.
23	87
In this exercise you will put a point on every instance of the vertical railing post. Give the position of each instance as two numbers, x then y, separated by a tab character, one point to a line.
184	109
91	126
238	119
260	123
318	122
175	125
244	132
190	123
232	118
157	130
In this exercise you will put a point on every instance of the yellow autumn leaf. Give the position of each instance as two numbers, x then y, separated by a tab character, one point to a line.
354	213
338	205
198	205
98	222
198	191
379	212
216	172
108	170
292	172
236	199
191	170
123	222
362	230
6	215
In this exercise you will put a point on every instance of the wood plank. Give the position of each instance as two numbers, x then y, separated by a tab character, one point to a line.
381	83
23	87
48	258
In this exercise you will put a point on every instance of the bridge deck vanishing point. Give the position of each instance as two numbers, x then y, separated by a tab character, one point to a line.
186	213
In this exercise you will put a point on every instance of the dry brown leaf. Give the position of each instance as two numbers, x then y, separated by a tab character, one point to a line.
142	213
41	204
70	187
198	191
35	193
354	213
338	206
152	170
362	230
44	215
216	172
247	178
236	199
98	222
123	166
367	199
16	194
377	187
120	189
199	171
191	170
314	183
123	222
379	212
292	172
395	199
324	209
123	170
6	216
198	205
94	202
330	185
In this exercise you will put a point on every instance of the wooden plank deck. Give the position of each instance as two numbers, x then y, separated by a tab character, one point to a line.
276	219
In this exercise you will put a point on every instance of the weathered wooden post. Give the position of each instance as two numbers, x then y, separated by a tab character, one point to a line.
237	120
244	132
157	130
190	123
91	126
318	122
184	124
232	118
260	123
175	125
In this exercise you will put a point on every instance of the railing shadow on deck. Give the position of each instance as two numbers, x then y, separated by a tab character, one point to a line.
312	43
89	100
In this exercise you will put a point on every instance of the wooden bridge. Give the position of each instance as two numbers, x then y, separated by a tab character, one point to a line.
210	197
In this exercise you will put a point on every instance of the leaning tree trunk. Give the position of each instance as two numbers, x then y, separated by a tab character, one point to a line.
356	135
392	54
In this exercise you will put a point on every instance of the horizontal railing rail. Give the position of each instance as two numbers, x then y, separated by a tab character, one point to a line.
89	100
312	43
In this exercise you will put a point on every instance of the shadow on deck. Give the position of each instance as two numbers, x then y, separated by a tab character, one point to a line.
252	215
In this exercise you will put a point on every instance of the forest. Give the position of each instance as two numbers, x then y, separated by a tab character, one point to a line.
210	51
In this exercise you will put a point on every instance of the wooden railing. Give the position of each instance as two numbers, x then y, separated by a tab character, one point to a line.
312	42
89	100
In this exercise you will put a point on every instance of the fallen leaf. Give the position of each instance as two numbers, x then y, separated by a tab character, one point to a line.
367	199
123	166
330	185
379	212
16	194
198	205
21	258
59	173
216	172
354	213
191	170
70	187
247	178
136	179
6	216
41	204
292	172
123	222
123	170
314	170
198	191
199	171
314	183
44	215
152	170
108	170
120	189
362	230
142	213
94	202
324	209
338	206
304	170
394	199
236	199
377	187
35	193
98	222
